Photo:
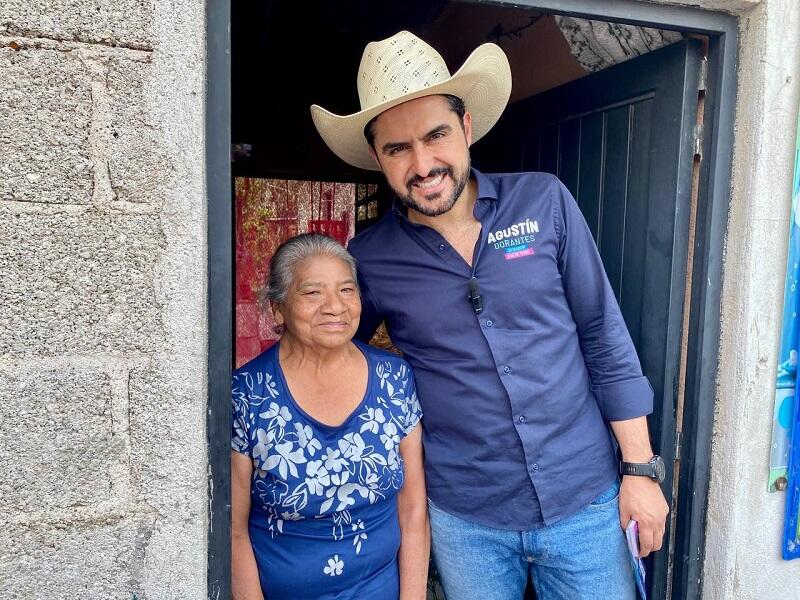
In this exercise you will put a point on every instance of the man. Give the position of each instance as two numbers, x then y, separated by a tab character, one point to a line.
493	288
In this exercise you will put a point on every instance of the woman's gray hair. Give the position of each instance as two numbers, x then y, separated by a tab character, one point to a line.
296	250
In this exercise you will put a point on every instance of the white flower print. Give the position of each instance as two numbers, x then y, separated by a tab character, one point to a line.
373	483
360	535
341	489
335	566
271	491
297	500
390	437
343	494
274	525
384	371
280	414
317	477
373	418
269	385
336	480
352	446
306	439
285	459
264	443
392	460
411	412
333	462
400	374
298	475
392	478
340	519
242	415
371	460
239	439
372	480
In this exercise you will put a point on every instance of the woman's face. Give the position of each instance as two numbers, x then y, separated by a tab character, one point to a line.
322	308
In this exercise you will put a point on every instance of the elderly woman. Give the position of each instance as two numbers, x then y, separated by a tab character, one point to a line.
328	489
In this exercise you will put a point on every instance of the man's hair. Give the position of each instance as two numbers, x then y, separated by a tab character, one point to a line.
455	104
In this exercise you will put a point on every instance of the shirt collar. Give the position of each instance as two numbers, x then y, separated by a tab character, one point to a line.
487	193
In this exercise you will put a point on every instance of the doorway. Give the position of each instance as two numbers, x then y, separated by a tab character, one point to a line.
545	128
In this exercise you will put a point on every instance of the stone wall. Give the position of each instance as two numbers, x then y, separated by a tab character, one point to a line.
102	300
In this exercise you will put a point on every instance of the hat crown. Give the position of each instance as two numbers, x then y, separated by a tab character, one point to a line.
397	66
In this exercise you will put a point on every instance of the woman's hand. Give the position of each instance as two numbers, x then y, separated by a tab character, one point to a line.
412	508
245	584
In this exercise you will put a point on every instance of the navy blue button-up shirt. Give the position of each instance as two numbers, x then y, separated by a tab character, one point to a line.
517	397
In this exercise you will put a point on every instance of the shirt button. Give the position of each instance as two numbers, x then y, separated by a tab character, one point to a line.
442	247
506	369
535	466
522	418
489	323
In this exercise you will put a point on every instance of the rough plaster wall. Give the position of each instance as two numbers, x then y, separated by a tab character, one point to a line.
728	6
744	521
102	300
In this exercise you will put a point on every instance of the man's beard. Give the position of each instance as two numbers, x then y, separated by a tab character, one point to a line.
429	210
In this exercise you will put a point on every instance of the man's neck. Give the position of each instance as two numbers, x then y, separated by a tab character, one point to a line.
461	214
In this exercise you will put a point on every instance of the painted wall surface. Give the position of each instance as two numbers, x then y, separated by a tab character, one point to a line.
744	521
102	300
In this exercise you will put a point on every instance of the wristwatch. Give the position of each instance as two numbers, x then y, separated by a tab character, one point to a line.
654	469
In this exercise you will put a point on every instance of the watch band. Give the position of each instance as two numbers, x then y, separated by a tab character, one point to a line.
655	469
638	469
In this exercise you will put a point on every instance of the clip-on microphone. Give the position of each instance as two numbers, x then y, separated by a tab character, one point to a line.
475	296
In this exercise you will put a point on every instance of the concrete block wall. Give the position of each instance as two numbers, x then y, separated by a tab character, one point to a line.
103	488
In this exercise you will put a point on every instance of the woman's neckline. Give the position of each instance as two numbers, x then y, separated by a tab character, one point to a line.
304	412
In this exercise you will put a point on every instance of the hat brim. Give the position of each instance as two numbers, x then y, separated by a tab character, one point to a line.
483	82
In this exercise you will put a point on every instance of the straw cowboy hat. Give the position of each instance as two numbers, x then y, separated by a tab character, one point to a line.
402	68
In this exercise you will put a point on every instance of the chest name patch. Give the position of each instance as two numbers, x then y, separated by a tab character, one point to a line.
516	241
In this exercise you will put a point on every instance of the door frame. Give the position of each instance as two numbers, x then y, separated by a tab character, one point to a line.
704	322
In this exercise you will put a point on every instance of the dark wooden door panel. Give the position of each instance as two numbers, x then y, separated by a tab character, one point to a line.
590	181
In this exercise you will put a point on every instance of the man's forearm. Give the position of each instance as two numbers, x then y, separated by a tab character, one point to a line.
640	498
634	439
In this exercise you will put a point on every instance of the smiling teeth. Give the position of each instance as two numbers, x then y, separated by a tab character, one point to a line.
432	183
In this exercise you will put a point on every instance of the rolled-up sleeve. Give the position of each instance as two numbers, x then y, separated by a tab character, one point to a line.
622	392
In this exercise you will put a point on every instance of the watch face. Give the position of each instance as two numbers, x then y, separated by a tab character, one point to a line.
659	468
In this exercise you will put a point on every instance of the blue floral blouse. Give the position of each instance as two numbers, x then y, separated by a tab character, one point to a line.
323	517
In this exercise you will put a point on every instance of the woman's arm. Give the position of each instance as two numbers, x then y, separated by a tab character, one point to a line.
412	508
245	584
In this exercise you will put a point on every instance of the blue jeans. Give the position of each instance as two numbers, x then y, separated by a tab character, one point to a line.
582	557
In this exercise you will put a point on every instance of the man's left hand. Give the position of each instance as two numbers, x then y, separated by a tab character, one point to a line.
641	499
